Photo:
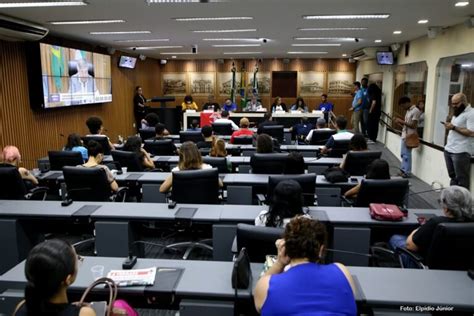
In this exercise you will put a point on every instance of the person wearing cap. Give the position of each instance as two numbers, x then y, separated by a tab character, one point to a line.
320	124
243	131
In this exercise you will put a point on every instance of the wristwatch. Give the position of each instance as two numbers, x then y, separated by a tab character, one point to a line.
454	128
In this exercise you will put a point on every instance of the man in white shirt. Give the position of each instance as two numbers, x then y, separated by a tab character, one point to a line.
460	145
320	125
409	124
225	119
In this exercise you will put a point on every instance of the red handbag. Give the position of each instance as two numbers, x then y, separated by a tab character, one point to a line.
385	212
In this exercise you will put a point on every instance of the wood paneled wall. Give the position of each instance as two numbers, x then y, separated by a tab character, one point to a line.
36	132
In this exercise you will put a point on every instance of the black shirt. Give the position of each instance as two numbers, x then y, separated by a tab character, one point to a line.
136	100
265	123
283	106
53	310
204	144
423	236
211	104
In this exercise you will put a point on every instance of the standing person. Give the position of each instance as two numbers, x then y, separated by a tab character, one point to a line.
189	104
409	127
460	145
229	106
325	106
421	123
211	104
356	108
139	107
243	131
365	105
299	105
278	105
375	110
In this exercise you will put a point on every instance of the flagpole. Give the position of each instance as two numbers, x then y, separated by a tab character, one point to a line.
232	91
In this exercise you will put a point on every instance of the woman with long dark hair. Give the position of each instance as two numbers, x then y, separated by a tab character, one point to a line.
375	110
74	143
134	144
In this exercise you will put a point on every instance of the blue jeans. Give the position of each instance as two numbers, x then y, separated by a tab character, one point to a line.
406	158
400	241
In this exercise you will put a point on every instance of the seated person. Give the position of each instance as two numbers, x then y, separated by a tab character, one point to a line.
134	144
189	159
229	106
150	120
243	131
264	144
74	143
194	126
225	119
50	268
211	104
286	203
342	134
96	156
189	104
253	105
285	289
278	105
267	121
299	105
162	133
295	163
320	124
457	205
357	143
206	132
377	170
96	128
301	130
11	156
218	148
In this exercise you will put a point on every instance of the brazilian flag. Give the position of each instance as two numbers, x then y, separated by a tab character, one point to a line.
57	66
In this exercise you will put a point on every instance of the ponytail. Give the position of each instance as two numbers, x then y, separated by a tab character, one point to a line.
33	300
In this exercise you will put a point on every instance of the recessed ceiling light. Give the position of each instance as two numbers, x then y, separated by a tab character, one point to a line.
344	55
397	32
241	53
223	18
378	41
422	21
41	4
307	52
461	3
174	57
237	45
225	31
324	39
246	39
143	40
119	32
86	22
466	65
173	1
154	47
346	16
177	53
332	29
316	45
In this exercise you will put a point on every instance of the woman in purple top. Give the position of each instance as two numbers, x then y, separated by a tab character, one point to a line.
297	283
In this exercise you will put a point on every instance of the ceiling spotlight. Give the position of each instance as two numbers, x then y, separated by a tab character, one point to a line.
378	41
397	32
422	21
344	55
461	3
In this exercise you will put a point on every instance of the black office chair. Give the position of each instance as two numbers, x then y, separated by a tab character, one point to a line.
59	159
205	151
102	140
275	131
147	133
217	162
90	184
273	163
259	241
243	140
339	148
222	128
190	136
321	136
12	186
306	181
391	191
160	147
128	159
196	186
357	161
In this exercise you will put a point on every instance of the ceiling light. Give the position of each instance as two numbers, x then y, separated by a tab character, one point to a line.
346	17
86	22
174	57
378	41
461	3
316	45
119	32
332	29
307	52
155	47
41	4
422	21
225	31
178	53
344	55
223	18
143	40
248	39
397	32
172	1
466	65
324	38
237	45
241	53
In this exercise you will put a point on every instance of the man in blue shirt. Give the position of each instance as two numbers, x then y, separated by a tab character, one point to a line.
326	106
357	104
229	106
364	82
301	130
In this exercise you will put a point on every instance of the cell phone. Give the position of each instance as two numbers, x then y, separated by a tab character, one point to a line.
129	262
171	204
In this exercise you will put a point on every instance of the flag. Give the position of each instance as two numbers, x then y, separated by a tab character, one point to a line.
243	92
57	66
255	82
232	86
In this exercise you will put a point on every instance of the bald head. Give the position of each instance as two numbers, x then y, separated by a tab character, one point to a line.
459	98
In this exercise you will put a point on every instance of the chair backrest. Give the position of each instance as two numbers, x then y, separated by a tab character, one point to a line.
390	191
268	163
259	241
306	181
452	247
204	151
127	159
321	136
102	140
357	161
59	159
340	147
243	140
217	162
222	128
160	147
12	186
196	186
275	131
147	133
190	136
86	184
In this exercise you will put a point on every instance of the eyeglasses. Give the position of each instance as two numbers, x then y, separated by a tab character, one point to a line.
455	103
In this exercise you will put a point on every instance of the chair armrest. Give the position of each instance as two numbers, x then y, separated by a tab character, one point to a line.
261	199
38	191
120	195
234	246
415	257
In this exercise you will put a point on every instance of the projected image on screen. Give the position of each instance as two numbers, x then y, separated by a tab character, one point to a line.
74	77
385	58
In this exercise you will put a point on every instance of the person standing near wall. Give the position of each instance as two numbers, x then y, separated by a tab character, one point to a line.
460	145
364	82
139	107
357	104
375	110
